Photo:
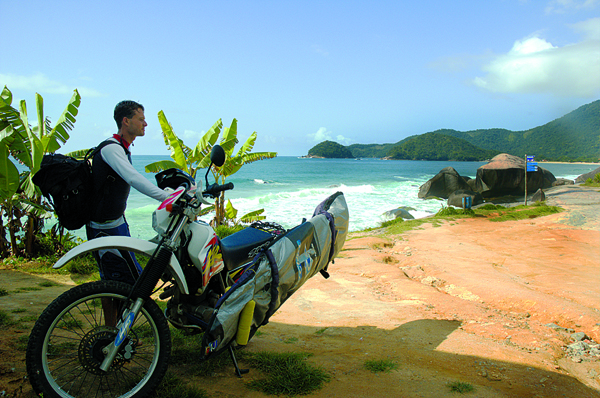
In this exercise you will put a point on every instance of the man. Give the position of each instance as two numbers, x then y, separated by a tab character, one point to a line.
113	176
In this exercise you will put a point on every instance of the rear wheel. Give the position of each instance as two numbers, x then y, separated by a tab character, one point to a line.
65	348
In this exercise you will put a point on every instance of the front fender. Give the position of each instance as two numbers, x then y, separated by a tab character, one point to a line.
124	243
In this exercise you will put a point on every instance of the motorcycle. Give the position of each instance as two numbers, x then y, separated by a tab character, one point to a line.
108	338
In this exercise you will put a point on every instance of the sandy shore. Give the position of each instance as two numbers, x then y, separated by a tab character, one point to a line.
470	300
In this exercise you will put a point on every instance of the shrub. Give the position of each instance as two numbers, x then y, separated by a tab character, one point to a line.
382	365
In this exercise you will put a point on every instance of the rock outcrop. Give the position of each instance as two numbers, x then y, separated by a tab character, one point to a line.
584	177
443	184
505	175
399	212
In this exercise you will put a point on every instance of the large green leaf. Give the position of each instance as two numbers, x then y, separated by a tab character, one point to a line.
253	216
31	207
36	149
59	134
229	134
39	105
78	154
160	166
15	144
174	143
6	96
204	146
231	167
13	130
9	175
254	157
248	145
230	211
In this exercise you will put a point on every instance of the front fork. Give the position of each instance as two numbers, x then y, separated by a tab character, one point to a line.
125	325
141	291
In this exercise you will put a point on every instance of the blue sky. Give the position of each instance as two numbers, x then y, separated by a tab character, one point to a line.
300	72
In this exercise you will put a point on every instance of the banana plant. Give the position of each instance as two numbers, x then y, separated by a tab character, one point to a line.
231	215
233	163
190	160
184	158
28	145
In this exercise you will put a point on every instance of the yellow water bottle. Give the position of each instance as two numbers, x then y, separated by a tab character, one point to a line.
243	330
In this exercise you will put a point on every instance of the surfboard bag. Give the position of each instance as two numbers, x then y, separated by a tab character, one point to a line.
278	271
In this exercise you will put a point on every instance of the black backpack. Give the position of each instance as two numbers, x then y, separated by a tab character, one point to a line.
67	183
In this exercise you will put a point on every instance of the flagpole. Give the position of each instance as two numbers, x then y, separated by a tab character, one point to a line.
525	179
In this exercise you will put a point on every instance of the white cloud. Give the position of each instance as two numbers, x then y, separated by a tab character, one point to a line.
563	6
589	29
534	65
40	83
323	135
191	138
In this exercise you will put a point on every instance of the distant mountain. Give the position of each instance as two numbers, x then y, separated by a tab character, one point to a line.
573	137
330	149
436	146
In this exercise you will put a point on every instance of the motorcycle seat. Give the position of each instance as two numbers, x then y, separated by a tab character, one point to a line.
237	248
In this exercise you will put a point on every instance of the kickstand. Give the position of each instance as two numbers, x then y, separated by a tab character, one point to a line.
239	372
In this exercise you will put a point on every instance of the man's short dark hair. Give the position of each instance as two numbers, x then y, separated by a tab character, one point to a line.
126	109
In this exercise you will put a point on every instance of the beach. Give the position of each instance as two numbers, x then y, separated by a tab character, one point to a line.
492	304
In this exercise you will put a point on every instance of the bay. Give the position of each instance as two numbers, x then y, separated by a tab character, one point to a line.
289	188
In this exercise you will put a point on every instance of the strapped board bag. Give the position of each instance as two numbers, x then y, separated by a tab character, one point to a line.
276	273
68	185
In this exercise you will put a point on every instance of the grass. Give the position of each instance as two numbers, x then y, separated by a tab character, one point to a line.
592	182
492	212
174	387
287	373
3	292
380	365
460	387
4	319
27	289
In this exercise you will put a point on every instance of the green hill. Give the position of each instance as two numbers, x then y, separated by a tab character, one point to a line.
330	149
435	146
573	137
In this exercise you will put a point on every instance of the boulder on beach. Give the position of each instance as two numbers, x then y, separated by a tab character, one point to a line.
443	184
505	175
457	196
399	212
562	181
584	177
538	196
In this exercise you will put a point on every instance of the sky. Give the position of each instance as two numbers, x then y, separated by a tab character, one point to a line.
301	72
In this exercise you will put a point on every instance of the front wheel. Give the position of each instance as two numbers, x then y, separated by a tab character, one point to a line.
65	348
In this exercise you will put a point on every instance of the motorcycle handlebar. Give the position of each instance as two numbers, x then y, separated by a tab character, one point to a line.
214	189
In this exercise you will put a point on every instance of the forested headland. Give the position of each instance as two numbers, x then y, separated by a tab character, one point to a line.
574	137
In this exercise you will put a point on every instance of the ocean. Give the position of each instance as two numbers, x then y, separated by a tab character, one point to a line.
289	188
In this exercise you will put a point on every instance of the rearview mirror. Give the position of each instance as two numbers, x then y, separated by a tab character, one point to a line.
217	155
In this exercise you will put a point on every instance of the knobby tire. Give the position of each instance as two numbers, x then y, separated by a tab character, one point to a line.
64	351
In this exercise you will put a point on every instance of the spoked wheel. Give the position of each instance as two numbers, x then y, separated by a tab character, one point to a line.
67	345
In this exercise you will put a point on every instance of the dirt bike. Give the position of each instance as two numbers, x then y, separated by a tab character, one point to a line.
108	338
